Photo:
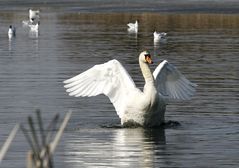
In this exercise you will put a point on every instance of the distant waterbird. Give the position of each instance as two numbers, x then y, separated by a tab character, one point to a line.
34	15
11	31
133	27
34	18
159	36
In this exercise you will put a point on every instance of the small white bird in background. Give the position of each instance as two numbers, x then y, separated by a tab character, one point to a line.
159	36
133	27
34	15
11	31
133	106
34	18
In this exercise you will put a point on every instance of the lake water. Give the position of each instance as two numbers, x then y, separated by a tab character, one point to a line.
204	47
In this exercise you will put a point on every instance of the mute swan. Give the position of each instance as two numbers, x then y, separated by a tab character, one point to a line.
158	36
11	31
133	106
133	27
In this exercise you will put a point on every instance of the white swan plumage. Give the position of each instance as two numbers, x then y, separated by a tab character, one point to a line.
133	27
145	108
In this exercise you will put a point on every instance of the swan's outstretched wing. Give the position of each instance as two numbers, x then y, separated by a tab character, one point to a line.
109	78
171	84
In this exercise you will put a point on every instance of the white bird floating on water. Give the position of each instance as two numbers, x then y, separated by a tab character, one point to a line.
133	106
11	31
158	36
34	15
133	27
34	20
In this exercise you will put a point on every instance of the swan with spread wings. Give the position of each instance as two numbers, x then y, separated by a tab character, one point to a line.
133	106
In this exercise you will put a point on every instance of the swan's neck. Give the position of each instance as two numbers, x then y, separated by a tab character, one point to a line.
148	77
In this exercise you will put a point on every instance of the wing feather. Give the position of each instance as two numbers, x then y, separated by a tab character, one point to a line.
171	84
78	89
110	79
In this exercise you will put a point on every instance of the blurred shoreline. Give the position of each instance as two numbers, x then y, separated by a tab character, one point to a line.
112	6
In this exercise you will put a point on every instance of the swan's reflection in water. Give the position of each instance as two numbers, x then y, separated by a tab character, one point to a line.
115	148
33	34
132	33
136	147
10	42
158	43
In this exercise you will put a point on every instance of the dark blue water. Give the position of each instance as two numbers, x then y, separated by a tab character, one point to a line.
204	47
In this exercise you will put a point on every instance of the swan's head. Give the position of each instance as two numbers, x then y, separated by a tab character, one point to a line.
145	57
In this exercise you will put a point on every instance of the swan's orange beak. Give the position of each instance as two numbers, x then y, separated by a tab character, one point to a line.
148	59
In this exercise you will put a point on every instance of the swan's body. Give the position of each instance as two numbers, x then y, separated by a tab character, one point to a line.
133	27
158	36
145	108
11	31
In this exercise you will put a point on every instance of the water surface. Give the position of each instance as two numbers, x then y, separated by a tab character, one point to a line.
204	47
